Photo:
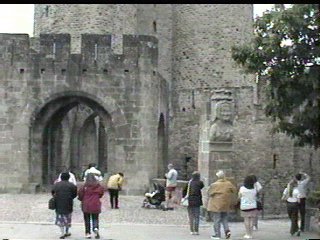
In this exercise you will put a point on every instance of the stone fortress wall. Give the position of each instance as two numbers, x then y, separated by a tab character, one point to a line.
39	88
137	80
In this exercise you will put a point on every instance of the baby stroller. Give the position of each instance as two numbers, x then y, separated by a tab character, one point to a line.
154	199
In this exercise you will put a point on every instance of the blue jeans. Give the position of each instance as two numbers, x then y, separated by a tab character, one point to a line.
194	218
218	218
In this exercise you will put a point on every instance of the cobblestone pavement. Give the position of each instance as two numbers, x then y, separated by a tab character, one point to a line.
26	216
34	208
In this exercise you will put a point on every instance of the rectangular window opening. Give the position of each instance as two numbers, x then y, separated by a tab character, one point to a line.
154	26
95	52
275	159
47	11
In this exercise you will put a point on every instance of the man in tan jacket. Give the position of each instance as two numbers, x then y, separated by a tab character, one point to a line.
221	195
114	185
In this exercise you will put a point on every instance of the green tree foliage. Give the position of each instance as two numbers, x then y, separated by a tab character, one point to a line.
285	52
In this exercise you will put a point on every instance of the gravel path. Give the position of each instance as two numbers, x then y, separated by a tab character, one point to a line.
33	208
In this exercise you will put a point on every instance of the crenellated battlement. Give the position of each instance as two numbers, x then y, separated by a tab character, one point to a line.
54	50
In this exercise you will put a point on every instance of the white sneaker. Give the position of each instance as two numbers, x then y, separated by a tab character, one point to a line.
96	231
247	236
88	235
215	238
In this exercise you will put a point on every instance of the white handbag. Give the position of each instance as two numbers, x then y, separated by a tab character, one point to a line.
184	201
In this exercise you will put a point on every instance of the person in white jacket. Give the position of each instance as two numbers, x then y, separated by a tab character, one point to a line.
258	187
291	195
302	180
92	169
248	204
171	184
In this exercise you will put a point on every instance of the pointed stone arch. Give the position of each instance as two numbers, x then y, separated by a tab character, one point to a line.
162	147
48	133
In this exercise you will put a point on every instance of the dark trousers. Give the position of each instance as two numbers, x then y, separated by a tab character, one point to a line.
88	217
194	218
302	210
292	209
114	195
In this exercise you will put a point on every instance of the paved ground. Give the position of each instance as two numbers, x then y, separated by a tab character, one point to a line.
25	216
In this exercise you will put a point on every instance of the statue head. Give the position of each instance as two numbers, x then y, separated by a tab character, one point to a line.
224	111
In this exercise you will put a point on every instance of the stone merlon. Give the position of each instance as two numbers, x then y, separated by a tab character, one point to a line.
96	50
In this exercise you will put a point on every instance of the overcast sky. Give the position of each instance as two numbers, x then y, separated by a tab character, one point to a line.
18	18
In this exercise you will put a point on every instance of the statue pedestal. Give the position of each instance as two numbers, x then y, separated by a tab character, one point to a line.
219	156
215	143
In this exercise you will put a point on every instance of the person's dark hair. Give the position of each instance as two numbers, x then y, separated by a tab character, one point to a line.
249	182
92	165
65	176
298	176
91	179
121	174
195	175
255	179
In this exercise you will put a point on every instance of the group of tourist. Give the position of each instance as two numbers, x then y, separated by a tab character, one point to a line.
223	197
295	196
65	190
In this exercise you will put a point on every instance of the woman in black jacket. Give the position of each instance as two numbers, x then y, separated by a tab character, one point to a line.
193	191
64	192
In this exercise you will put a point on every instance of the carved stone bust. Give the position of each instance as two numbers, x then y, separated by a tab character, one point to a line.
221	129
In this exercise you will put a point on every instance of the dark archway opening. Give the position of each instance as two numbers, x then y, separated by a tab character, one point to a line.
162	147
69	132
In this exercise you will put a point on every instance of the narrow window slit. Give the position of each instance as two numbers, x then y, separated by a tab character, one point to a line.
96	52
154	26
47	11
54	50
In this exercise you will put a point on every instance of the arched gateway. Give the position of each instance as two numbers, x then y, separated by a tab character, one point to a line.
71	130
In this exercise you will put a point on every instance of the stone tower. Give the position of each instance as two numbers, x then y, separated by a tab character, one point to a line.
202	38
116	19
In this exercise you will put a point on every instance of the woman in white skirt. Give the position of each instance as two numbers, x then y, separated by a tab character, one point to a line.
248	204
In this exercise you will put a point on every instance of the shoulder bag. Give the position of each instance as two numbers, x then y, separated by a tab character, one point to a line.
52	203
185	200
